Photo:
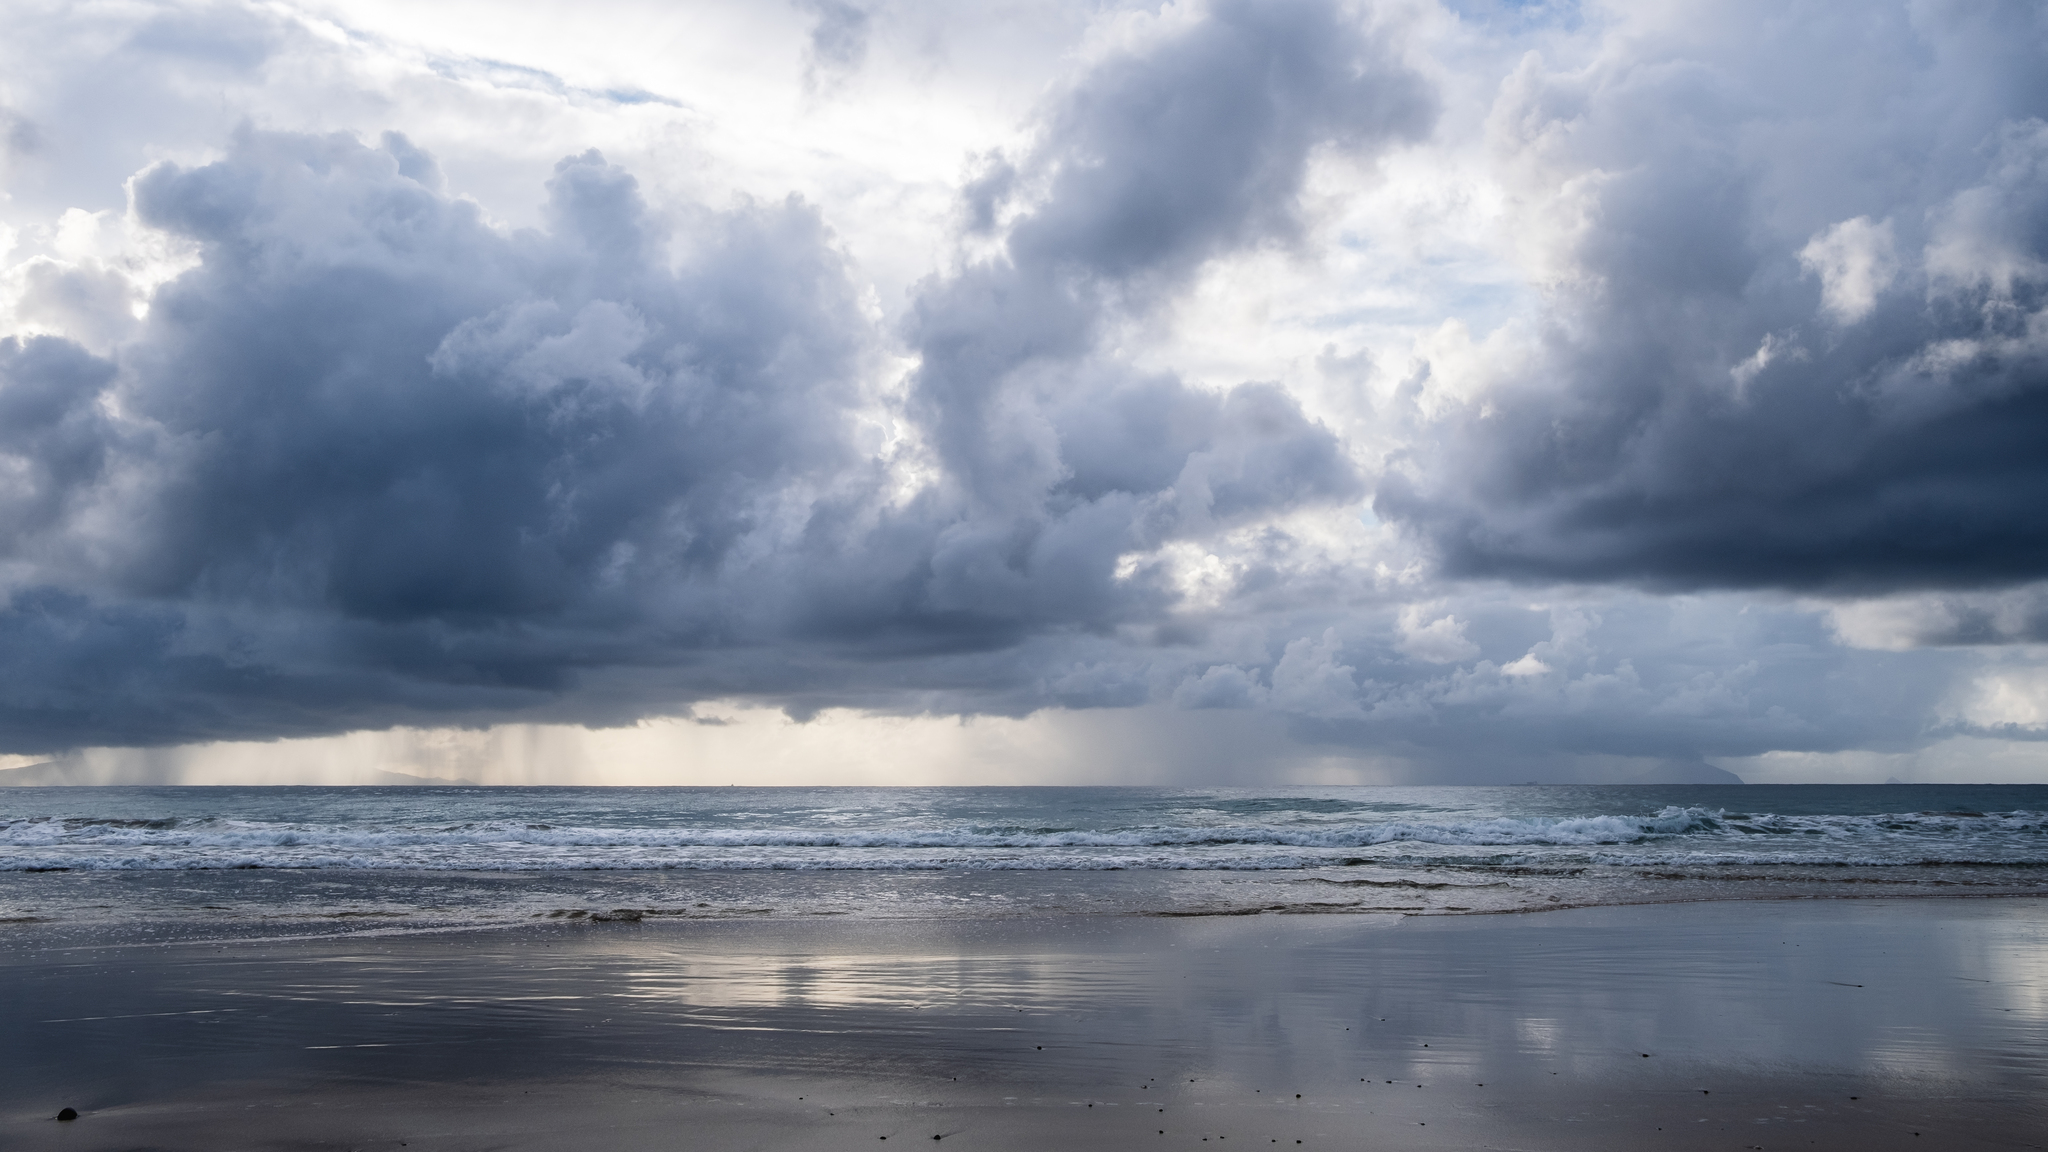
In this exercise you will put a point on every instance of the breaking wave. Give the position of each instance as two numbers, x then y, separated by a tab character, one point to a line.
1236	836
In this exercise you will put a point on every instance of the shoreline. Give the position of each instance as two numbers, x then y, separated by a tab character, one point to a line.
402	932
1761	1019
407	931
111	905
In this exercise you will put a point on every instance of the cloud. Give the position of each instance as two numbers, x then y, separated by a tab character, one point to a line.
1855	262
52	435
1797	337
323	432
22	138
1605	690
1154	161
1899	623
375	451
1439	641
376	460
838	42
2010	701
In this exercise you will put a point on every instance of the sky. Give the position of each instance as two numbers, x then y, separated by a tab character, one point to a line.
869	392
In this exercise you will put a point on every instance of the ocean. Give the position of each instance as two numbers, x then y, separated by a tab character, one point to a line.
204	859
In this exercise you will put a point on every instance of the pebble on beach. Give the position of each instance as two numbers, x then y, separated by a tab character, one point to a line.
67	1114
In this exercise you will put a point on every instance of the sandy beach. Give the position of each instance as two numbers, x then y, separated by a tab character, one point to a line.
1788	1024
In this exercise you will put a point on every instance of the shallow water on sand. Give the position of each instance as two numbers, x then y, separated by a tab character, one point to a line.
1829	1025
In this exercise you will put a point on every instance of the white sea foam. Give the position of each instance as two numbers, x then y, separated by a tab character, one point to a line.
1255	834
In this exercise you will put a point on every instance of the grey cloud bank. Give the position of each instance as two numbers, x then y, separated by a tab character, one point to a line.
1801	340
372	457
371	461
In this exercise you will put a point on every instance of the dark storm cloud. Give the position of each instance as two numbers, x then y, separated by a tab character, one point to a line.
373	461
1803	338
378	461
52	433
371	401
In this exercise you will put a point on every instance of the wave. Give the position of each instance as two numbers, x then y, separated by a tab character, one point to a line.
231	834
1674	835
939	863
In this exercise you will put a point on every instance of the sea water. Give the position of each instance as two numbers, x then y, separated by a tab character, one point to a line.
553	829
447	856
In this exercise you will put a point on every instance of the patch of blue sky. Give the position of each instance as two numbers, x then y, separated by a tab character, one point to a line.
504	74
638	96
1520	14
1423	302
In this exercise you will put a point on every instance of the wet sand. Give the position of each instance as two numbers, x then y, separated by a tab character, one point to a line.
1790	1024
